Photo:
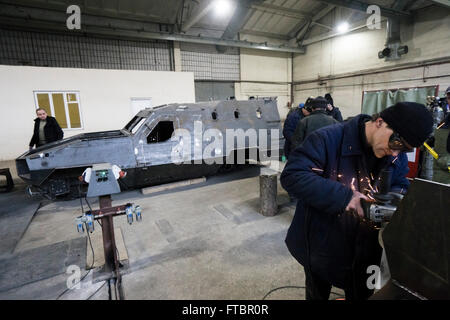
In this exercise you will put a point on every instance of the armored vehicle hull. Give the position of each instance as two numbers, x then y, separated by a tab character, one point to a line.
167	143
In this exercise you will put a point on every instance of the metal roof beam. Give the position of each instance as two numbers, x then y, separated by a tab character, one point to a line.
400	4
322	25
362	6
203	9
265	34
99	11
281	10
60	17
240	16
298	33
445	3
356	26
36	25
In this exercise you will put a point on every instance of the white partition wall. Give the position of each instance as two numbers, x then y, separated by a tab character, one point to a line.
104	98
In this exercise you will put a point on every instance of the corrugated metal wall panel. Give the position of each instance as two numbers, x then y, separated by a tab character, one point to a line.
209	64
213	91
70	51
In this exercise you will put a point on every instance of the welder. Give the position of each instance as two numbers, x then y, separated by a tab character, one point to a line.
329	174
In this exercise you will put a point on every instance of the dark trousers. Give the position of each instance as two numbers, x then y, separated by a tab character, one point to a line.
355	287
351	276
315	287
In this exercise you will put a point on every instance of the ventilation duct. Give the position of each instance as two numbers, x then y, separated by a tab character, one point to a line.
394	49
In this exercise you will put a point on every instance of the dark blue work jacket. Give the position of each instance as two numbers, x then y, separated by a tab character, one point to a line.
319	173
292	119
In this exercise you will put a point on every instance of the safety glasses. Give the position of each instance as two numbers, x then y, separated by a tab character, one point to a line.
396	142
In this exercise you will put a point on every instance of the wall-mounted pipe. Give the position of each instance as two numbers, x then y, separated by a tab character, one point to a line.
405	66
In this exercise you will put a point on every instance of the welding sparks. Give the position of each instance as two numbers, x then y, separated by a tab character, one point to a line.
394	159
317	169
353	184
370	197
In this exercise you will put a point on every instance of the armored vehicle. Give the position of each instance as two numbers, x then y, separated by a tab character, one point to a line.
148	148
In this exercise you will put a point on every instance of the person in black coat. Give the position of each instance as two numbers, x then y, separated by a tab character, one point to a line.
446	109
447	117
317	119
329	174
448	142
332	110
46	129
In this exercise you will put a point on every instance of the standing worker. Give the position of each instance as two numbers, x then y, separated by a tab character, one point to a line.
332	110
292	119
317	119
46	129
329	174
447	117
446	108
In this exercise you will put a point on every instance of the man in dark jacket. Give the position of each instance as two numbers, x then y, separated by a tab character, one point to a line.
292	119
446	109
328	174
316	120
448	142
46	129
332	110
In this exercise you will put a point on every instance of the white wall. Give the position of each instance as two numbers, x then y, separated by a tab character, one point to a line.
104	98
244	90
427	38
347	92
265	73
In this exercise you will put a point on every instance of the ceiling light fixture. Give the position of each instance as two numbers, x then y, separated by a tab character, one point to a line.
343	27
222	7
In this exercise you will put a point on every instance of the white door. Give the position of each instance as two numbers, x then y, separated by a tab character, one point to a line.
138	104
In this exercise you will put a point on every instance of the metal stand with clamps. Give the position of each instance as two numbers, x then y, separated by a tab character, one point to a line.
102	179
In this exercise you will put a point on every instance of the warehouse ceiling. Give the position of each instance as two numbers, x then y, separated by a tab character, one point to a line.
281	25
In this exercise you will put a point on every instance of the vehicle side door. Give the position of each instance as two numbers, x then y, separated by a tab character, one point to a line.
154	146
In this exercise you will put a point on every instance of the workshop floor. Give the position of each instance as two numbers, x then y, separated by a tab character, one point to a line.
206	241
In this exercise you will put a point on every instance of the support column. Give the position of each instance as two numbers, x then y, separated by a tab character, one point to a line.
177	56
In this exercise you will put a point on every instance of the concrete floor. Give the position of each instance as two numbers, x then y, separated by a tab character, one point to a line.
200	242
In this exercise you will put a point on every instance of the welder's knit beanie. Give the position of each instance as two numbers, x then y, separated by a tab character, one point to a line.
412	121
